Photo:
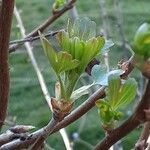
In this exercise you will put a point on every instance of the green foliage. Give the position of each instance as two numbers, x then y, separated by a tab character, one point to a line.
107	114
59	3
20	67
118	95
78	47
80	42
61	61
142	41
84	29
121	94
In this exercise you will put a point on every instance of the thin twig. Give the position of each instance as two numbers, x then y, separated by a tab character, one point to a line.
106	28
65	138
5	27
33	60
104	17
37	70
31	39
119	21
44	25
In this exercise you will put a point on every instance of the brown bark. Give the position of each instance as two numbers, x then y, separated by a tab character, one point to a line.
5	27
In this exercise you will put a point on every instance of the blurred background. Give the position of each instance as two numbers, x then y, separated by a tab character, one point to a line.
117	19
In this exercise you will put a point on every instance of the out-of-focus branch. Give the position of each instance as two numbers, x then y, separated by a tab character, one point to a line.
65	138
15	132
5	27
142	142
119	21
135	120
33	60
44	25
103	14
73	12
10	136
106	28
38	72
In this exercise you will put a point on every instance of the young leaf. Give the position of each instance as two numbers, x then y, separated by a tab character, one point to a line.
65	62
119	94
142	40
107	114
100	74
104	111
126	94
91	49
63	40
50	52
61	61
80	42
81	91
84	28
114	84
59	3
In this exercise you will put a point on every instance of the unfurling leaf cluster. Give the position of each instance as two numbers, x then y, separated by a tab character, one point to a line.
118	95
141	43
59	3
78	46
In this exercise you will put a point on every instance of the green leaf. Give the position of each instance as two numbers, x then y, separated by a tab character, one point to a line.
100	74
81	91
61	61
80	41
104	111
63	40
114	84
59	3
50	52
119	94
107	114
84	28
91	49
142	40
65	62
79	48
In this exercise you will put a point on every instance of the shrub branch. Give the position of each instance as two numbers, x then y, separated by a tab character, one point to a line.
5	27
